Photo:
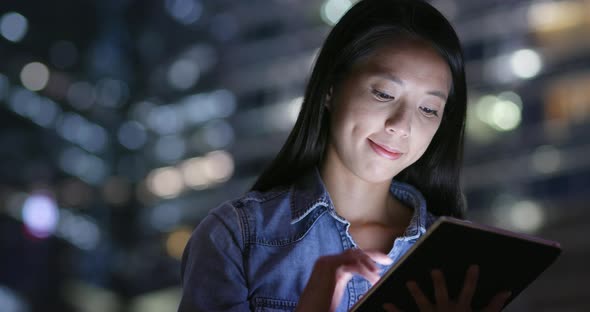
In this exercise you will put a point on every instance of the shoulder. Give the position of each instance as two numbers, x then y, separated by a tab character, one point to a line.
253	214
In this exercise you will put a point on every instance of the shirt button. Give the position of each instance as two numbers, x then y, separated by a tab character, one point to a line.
359	297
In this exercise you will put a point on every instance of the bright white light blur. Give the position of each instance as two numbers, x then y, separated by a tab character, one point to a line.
184	11
165	182
527	216
13	26
505	115
512	97
333	10
219	166
40	215
193	172
501	112
525	63
132	135
293	109
34	76
183	74
170	148
476	129
546	159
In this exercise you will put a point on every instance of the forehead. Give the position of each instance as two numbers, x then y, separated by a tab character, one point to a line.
408	59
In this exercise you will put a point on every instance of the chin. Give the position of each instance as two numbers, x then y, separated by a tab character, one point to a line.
378	174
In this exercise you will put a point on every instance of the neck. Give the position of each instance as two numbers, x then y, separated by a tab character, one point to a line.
359	201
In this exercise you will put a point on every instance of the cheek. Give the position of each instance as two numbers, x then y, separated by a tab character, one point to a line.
354	119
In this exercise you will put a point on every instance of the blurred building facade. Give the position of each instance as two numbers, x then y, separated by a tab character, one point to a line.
124	121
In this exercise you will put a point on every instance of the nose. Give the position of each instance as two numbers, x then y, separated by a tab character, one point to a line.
399	121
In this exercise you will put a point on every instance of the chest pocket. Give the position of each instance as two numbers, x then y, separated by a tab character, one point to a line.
262	304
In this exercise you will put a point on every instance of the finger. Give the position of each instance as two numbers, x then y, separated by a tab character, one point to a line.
498	302
421	301
440	288
379	257
469	286
367	261
359	267
390	307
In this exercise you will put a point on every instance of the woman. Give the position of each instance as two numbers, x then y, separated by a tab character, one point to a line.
373	158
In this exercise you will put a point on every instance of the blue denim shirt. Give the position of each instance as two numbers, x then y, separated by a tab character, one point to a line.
256	253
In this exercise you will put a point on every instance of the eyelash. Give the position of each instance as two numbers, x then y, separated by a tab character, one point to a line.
429	112
381	96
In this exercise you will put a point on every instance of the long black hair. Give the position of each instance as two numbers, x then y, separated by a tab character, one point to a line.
361	31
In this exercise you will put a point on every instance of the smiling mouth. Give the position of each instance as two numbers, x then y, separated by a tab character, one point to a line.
385	152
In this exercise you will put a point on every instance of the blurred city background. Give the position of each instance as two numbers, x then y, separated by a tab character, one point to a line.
124	121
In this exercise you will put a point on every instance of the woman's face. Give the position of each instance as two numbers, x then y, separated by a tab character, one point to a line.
384	114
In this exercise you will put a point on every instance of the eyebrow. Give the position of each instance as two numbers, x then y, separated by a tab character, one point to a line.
395	79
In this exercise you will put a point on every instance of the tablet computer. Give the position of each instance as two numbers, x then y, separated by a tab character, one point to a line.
508	261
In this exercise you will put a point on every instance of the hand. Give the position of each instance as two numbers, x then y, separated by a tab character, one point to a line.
330	275
443	303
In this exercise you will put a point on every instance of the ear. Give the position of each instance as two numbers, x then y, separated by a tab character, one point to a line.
328	101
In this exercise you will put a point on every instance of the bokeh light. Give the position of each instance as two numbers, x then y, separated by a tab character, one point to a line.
13	26
165	182
176	242
184	11
193	172
40	215
10	301
81	95
546	159
526	63
34	76
81	231
219	166
183	74
132	135
527	216
333	10
170	148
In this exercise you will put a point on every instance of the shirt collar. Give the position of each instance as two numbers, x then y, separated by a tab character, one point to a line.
308	193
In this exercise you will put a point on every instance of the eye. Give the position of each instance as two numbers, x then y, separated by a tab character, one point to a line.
382	96
428	112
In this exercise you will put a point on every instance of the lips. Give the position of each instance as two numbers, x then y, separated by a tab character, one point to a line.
385	151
